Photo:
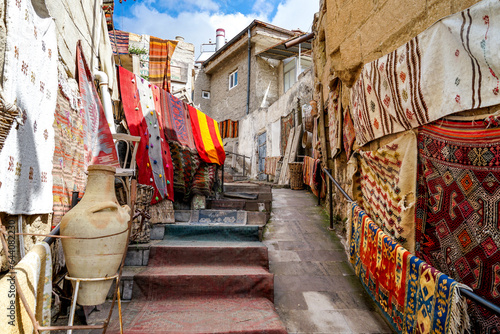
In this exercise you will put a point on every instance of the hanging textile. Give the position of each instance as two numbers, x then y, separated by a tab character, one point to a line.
413	296
69	168
207	137
228	129
160	55
314	176
349	134
385	187
30	82
119	39
185	163
204	180
99	145
153	155
334	121
287	124
174	119
457	207
271	165
450	67
34	275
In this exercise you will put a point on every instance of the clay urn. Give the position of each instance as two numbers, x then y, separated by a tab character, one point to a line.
97	214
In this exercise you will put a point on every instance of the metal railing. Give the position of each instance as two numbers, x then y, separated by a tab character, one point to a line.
465	292
241	156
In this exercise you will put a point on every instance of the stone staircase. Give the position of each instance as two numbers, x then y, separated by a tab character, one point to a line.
201	277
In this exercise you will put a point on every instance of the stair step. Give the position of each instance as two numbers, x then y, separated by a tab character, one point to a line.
179	252
201	315
212	233
160	283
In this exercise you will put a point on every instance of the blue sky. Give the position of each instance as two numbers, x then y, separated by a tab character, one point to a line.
197	20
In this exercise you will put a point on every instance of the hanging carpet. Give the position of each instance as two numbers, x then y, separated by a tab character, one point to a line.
160	55
450	67
287	124
207	137
153	156
413	296
385	187
122	41
458	200
185	163
334	121
349	135
99	145
204	180
228	129
30	82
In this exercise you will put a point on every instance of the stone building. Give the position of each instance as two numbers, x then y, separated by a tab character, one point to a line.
247	80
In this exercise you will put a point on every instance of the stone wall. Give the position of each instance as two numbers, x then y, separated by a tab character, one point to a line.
352	33
202	83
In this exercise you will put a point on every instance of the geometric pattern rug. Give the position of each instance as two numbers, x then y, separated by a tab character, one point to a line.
457	212
413	296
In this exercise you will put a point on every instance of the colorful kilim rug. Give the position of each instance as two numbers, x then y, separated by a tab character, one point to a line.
207	137
385	187
122	40
185	162
457	214
348	134
287	124
334	121
204	179
153	156
69	168
450	67
30	82
314	176
174	119
160	54
99	145
413	296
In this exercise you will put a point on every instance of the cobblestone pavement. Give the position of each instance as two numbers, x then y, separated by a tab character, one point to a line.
316	290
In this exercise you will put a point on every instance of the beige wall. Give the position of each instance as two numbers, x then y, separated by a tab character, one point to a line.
351	33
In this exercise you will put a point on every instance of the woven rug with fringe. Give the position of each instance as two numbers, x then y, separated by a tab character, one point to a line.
122	41
413	296
384	187
457	211
348	134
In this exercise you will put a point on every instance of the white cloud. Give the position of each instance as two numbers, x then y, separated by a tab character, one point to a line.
296	14
199	25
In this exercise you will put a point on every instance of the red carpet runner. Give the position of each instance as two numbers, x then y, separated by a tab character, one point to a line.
198	283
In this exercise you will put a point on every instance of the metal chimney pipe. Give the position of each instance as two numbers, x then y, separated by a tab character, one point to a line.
220	36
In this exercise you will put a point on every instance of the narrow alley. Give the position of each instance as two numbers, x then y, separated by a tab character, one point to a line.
316	290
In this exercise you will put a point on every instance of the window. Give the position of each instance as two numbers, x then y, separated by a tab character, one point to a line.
233	79
205	94
289	76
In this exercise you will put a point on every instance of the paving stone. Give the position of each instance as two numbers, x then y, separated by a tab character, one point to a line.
316	289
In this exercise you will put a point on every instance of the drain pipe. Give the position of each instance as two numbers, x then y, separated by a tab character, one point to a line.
249	69
106	98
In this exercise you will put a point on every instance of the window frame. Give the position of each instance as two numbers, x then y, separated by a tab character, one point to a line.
233	79
205	94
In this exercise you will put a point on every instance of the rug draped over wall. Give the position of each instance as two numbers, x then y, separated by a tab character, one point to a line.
450	67
30	81
287	124
413	296
458	207
384	187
